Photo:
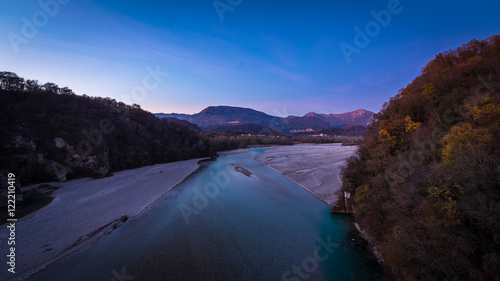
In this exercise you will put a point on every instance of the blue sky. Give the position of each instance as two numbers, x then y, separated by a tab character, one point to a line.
280	57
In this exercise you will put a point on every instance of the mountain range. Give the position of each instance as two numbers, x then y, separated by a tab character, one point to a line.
229	118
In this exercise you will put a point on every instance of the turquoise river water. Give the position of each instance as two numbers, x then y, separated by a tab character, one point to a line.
221	224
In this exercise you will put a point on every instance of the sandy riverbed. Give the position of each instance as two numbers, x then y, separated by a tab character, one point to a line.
314	167
84	209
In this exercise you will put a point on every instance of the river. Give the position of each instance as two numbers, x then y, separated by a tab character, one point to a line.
223	223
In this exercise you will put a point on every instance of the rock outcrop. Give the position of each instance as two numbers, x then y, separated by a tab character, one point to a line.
343	204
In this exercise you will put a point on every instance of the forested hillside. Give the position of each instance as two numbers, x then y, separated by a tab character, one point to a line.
49	133
426	182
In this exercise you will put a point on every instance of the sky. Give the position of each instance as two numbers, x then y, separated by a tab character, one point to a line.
280	57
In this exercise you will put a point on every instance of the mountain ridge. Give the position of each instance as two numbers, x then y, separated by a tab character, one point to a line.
213	116
339	120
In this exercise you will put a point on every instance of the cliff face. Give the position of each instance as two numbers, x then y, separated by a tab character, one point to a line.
30	158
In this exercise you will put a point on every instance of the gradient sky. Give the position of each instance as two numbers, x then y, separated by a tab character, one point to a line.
280	57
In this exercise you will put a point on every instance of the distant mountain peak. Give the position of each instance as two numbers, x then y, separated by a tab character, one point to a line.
357	111
311	114
359	117
361	110
224	109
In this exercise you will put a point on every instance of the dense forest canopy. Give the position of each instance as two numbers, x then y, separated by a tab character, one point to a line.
49	133
426	181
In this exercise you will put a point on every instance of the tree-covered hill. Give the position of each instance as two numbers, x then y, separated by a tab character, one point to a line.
426	182
49	133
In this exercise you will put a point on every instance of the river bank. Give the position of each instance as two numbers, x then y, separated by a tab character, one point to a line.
315	168
83	210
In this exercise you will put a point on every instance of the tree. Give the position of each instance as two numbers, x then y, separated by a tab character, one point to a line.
50	87
32	85
466	147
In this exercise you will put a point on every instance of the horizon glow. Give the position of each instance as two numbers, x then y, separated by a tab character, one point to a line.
282	58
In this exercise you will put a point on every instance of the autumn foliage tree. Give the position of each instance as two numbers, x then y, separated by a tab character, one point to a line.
426	181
